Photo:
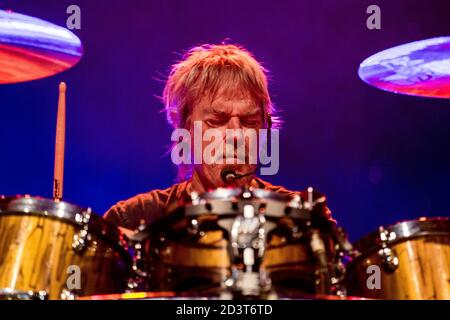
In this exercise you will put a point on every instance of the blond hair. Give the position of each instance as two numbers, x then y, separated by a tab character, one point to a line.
204	70
207	68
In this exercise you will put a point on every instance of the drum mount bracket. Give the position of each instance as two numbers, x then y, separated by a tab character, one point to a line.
81	238
247	248
388	256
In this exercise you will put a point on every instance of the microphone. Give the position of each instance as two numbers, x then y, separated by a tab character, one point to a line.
229	175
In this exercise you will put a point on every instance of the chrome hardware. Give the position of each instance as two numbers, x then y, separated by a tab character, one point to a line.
246	194
296	202
41	295
389	258
193	228
309	204
195	198
388	255
247	248
139	261
66	294
135	284
81	238
337	280
136	280
322	273
11	294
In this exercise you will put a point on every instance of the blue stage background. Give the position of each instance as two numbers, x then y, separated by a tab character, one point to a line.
379	157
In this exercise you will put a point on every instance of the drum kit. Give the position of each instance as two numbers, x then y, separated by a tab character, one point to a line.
226	243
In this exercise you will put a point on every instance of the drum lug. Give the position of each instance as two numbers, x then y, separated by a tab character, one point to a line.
195	198
344	252
337	280
138	261
296	202
135	282
388	255
41	295
193	228
309	204
322	273
10	294
81	238
389	258
67	294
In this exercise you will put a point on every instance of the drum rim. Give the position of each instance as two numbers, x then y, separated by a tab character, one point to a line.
35	204
216	203
404	231
229	193
70	213
191	295
22	294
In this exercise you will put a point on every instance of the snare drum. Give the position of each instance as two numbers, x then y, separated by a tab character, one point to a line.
189	249
408	260
54	250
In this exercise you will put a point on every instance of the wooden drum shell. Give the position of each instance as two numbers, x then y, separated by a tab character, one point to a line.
183	265
36	252
423	271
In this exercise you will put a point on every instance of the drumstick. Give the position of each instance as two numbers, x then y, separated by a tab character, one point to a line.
58	176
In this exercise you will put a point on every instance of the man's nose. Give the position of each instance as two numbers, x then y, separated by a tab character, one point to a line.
235	125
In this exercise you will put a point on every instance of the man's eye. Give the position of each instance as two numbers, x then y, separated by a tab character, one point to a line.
215	122
250	123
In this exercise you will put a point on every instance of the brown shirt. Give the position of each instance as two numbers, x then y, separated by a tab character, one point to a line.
152	205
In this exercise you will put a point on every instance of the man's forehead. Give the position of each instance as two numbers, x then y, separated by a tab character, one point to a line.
229	104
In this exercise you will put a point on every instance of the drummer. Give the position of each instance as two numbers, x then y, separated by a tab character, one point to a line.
222	87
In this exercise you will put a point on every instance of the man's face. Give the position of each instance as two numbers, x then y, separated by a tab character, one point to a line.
229	110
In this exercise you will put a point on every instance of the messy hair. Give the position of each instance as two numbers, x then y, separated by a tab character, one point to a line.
205	69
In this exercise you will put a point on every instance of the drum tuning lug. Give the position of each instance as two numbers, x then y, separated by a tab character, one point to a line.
343	244
246	193
66	294
195	198
138	261
81	238
39	295
388	255
132	284
386	236
296	202
389	258
193	228
339	290
135	284
296	233
308	205
42	295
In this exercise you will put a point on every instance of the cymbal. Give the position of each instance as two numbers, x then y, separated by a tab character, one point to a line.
31	48
420	68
